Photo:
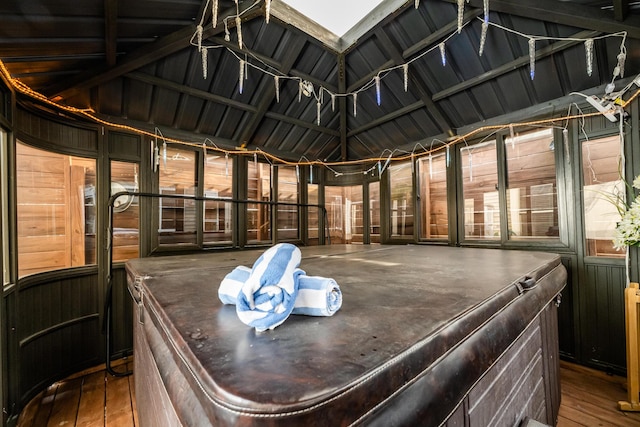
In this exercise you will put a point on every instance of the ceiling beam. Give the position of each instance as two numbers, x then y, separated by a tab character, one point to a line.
421	88
166	84
342	107
110	31
388	117
198	93
140	57
268	94
564	13
513	65
620	9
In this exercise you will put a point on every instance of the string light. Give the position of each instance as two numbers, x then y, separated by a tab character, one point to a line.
226	164
460	15
417	3
239	30
443	54
241	76
267	10
227	35
377	80
532	57
214	13
355	104
199	31
588	48
204	52
333	102
276	81
318	108
405	74
483	37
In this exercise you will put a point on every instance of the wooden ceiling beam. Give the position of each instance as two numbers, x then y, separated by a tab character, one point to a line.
513	65
166	84
564	13
110	31
620	9
140	57
269	93
421	88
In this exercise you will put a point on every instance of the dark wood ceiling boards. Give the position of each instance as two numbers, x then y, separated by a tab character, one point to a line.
134	60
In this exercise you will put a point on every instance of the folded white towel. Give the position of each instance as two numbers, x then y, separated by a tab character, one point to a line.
317	296
268	295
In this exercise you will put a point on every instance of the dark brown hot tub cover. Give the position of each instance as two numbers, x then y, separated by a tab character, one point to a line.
418	327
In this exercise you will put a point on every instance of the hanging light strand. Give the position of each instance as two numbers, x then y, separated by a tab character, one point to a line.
588	50
214	13
532	57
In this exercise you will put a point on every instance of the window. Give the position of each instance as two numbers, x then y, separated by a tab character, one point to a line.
287	193
4	208
126	211
601	185
218	183
56	209
313	217
433	197
401	177
532	207
480	191
374	212
177	217
344	209
259	214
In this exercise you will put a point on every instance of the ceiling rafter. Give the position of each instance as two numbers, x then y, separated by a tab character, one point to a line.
198	93
513	65
294	49
564	13
140	57
110	31
418	83
620	9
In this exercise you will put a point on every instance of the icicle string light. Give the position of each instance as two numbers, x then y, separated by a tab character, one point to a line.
318	108
333	102
267	10
405	75
226	164
239	31
483	37
199	31
355	104
214	13
416	4
204	52
443	54
588	50
377	80
532	57
241	76
276	82
460	15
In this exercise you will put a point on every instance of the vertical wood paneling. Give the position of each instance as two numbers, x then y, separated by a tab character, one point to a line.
602	316
54	133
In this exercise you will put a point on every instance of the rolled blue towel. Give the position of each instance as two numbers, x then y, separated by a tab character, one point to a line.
317	296
268	295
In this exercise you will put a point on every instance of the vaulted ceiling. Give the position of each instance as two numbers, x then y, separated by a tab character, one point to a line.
138	62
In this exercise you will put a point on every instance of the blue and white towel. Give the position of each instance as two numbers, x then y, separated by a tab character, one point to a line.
317	296
268	295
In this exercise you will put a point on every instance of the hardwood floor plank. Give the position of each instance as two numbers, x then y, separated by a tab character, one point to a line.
92	400
118	411
65	404
46	404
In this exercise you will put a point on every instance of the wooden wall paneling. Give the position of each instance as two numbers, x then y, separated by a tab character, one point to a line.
59	331
121	315
567	321
602	316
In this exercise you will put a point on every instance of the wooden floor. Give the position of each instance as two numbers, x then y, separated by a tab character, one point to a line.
89	398
95	398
